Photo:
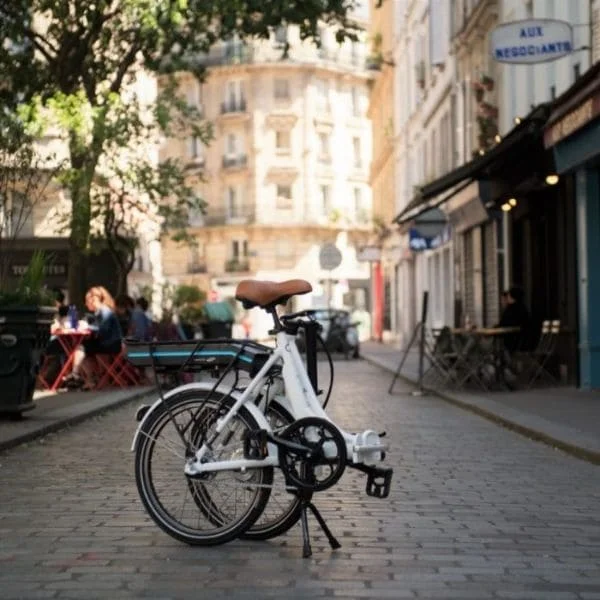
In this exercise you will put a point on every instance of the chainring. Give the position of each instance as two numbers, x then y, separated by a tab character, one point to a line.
320	467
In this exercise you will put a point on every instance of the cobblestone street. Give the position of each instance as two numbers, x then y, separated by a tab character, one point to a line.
476	511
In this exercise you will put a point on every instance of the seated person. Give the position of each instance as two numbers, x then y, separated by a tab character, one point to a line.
140	327
124	306
106	339
515	314
54	351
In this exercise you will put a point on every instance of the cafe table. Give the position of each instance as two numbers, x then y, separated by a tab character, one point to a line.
70	341
496	334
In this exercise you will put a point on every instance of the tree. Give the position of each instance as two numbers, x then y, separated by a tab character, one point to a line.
79	58
25	177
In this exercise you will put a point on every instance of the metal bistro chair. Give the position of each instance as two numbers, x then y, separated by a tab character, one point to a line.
472	362
442	355
534	363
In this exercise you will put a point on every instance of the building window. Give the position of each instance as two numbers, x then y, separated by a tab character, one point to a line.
577	71
239	249
284	197
355	100
325	193
282	89
234	97
322	95
324	154
359	209
16	216
194	95
232	146
282	140
233	203
195	147
357	153
281	35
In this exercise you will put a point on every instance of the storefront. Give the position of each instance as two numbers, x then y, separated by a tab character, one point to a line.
16	258
573	134
510	227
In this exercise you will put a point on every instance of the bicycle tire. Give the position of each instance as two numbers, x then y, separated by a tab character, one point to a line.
291	515
222	531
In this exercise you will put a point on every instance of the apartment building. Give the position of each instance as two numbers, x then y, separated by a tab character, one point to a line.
422	97
287	171
382	176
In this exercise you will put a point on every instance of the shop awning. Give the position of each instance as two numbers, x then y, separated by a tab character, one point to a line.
575	108
496	159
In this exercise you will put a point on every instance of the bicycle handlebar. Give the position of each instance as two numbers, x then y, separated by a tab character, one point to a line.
303	313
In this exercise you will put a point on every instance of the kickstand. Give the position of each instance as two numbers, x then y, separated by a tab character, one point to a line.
306	549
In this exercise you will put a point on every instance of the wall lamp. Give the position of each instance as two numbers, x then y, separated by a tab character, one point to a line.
552	179
509	205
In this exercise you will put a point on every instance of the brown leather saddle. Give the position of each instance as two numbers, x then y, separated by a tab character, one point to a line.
268	294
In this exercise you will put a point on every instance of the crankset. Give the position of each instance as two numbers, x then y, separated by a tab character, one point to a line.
313	454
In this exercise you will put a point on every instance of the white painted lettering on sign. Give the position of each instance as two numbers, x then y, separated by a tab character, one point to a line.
531	41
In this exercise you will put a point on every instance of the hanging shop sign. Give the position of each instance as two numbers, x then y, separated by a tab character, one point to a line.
531	41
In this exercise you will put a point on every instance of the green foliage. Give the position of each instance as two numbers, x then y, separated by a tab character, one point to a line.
189	301
71	62
24	180
30	290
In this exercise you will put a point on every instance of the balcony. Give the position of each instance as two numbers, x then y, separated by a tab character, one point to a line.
195	164
235	162
227	54
241	215
237	265
197	267
233	106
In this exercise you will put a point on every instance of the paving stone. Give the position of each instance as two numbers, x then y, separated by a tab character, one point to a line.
475	511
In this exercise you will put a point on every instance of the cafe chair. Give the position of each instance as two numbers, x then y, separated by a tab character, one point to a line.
536	364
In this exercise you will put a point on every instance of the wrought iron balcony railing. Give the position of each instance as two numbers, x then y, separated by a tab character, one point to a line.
233	106
235	162
237	265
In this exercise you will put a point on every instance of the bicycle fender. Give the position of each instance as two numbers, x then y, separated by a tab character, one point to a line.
204	386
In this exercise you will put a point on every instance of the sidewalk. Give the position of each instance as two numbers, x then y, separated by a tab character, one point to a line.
564	417
55	411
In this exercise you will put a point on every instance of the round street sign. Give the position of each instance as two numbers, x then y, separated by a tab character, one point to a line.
329	257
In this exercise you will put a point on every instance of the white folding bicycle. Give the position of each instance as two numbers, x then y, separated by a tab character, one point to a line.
209	455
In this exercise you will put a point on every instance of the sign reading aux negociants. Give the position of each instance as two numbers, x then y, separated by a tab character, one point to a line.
531	41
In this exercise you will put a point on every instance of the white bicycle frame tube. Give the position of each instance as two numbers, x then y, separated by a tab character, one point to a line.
303	402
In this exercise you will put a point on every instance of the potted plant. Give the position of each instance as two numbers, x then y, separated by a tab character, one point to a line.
26	313
479	91
26	306
487	82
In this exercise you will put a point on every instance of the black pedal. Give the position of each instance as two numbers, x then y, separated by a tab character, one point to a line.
379	482
255	444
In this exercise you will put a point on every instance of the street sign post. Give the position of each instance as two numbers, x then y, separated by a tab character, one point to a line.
330	258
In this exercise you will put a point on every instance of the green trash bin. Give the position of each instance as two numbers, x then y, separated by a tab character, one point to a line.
24	334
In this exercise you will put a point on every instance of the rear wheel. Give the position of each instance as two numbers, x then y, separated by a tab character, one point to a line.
219	506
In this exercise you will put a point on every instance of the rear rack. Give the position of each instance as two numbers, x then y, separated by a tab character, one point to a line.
198	355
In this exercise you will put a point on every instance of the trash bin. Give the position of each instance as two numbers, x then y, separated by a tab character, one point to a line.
218	320
24	334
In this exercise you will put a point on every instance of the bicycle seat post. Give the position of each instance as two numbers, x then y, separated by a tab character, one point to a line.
310	336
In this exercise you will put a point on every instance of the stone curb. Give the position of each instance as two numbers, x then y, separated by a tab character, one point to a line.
586	454
96	409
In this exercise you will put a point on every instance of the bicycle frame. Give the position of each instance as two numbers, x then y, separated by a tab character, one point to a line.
302	402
